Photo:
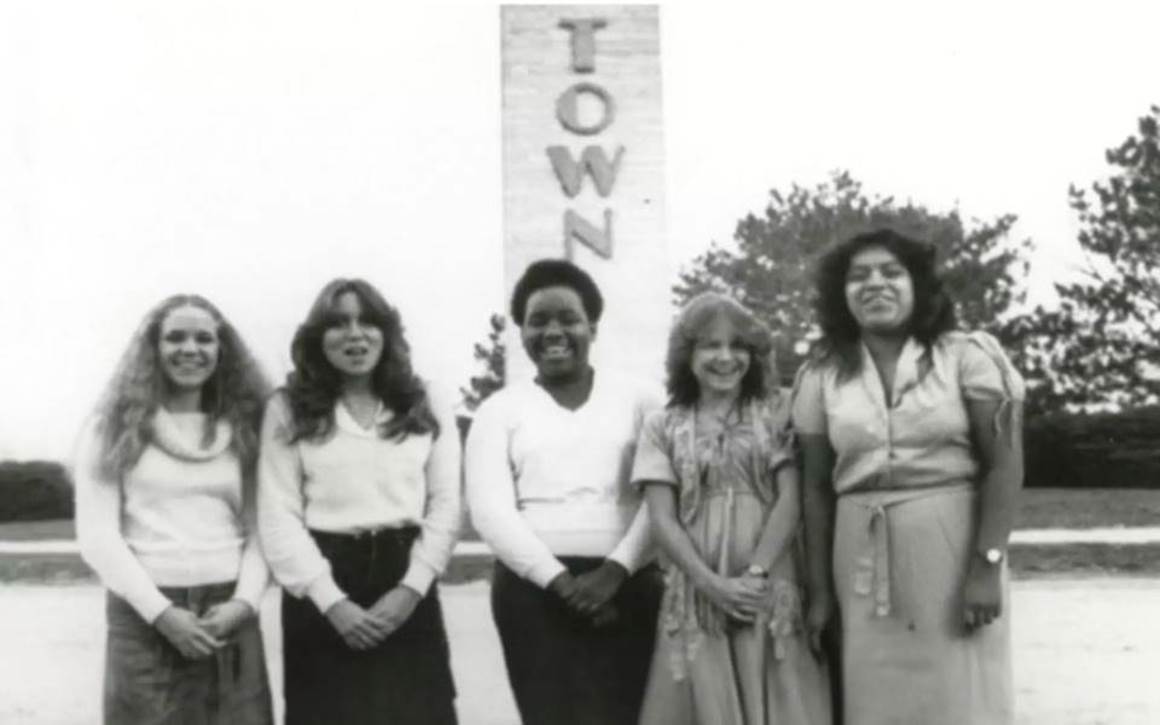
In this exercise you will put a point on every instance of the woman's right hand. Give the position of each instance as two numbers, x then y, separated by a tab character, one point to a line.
357	627
741	597
183	630
818	614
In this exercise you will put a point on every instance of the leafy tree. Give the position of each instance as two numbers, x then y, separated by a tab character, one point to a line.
1102	344
492	357
770	268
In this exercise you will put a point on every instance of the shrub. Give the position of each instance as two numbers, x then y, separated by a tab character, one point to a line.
1094	450
34	491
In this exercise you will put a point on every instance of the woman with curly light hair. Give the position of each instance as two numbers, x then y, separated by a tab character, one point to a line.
358	512
165	516
910	435
722	490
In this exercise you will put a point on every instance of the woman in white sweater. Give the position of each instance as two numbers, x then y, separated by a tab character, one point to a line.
359	509
164	489
574	595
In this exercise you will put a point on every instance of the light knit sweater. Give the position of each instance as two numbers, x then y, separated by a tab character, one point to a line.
353	481
544	481
178	518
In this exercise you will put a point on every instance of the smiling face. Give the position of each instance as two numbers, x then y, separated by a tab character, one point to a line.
188	347
720	359
557	333
352	343
879	291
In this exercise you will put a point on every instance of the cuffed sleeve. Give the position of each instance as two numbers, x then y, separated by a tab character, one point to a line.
652	463
985	372
294	558
443	512
491	498
102	546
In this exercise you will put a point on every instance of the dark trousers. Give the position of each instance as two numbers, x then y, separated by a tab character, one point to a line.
149	682
405	680
564	670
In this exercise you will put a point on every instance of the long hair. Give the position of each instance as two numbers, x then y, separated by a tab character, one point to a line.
690	325
234	393
314	385
933	314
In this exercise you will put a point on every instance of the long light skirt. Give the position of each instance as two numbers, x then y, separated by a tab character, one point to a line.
906	656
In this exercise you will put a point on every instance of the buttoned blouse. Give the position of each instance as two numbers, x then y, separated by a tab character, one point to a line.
919	437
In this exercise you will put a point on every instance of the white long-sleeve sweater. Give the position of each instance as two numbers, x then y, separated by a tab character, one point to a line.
177	518
354	481
544	481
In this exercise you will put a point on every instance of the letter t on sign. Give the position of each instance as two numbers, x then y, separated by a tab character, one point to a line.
583	41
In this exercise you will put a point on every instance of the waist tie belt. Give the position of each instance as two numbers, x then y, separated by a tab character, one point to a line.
872	574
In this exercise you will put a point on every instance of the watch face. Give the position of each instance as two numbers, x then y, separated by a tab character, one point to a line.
994	556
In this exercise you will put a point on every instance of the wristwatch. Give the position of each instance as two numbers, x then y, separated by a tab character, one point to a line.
757	571
992	556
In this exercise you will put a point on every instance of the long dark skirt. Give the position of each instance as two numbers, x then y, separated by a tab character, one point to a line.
149	682
406	679
564	670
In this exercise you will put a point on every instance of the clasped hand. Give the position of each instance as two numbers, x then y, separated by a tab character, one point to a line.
197	637
364	629
590	594
741	597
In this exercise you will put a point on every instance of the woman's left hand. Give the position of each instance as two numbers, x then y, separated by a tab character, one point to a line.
982	595
596	588
395	607
222	620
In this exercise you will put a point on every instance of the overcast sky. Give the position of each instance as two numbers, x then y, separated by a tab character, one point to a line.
252	151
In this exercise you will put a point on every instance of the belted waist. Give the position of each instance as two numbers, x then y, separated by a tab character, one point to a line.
872	574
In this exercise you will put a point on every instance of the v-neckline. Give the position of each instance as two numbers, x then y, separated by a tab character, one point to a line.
572	411
905	374
346	420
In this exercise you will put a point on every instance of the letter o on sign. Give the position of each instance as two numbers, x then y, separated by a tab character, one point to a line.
568	113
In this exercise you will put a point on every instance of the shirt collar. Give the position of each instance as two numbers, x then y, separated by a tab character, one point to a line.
346	422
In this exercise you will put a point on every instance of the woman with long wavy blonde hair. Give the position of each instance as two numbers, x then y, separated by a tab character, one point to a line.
165	516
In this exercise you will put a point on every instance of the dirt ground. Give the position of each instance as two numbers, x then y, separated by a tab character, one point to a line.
1086	653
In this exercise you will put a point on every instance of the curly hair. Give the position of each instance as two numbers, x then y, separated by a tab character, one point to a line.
314	385
556	273
692	321
933	314
234	392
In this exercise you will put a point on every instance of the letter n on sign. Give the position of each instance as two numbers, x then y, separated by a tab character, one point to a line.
583	166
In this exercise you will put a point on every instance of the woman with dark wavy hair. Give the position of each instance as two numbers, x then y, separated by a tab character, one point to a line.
358	513
915	429
165	516
717	469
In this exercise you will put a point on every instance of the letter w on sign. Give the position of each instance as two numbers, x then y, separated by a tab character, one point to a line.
593	162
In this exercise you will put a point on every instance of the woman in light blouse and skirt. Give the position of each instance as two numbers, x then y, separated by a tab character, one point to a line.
914	428
359	509
575	592
165	516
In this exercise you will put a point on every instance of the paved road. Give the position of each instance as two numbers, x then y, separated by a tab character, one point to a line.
1086	653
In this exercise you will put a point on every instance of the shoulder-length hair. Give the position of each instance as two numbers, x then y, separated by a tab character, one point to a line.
234	393
688	329
933	314
314	385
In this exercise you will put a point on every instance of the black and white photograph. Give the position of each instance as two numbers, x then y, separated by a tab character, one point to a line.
674	363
